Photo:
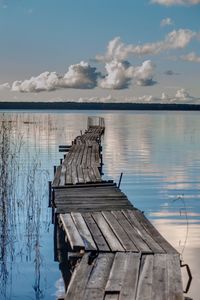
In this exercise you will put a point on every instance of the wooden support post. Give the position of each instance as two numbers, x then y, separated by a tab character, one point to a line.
53	215
54	169
120	179
55	239
50	193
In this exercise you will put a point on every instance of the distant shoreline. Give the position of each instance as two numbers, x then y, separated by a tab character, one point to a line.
96	106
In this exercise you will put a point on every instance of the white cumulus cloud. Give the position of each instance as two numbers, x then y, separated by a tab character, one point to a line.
4	86
176	2
192	57
47	81
182	94
144	73
121	73
118	75
176	39
164	97
79	76
166	22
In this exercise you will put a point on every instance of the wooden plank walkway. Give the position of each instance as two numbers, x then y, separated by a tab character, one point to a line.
112	250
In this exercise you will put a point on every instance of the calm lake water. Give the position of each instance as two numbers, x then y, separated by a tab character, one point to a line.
159	155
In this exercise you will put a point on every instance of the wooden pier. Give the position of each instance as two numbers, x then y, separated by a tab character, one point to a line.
107	248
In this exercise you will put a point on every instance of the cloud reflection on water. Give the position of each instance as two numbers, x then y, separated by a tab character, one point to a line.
158	153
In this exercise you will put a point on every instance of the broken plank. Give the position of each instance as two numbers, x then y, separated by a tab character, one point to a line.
73	235
84	232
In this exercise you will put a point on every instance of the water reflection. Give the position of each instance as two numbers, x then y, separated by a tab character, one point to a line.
158	153
23	190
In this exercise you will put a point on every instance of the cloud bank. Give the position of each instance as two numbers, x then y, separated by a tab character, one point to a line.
176	2
181	96
4	86
120	74
176	39
79	76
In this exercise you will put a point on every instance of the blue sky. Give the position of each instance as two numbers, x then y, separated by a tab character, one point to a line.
56	36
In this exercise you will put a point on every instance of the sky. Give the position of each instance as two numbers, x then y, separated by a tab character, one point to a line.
91	50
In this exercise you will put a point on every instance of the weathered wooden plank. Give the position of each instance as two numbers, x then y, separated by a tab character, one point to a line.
107	232
89	152
91	203
84	232
154	232
119	232
80	175
62	175
71	154
144	287
153	245
96	233
117	273
160	280
66	161
74	175
96	173
79	280
128	290
85	195
86	176
73	235
84	158
175	286
69	175
93	155
131	232
96	286
88	193
97	197
97	189
80	156
91	174
66	209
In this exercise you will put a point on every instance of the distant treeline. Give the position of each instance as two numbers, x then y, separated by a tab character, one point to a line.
98	106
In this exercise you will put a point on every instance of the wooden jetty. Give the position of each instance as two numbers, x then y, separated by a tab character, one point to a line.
107	249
